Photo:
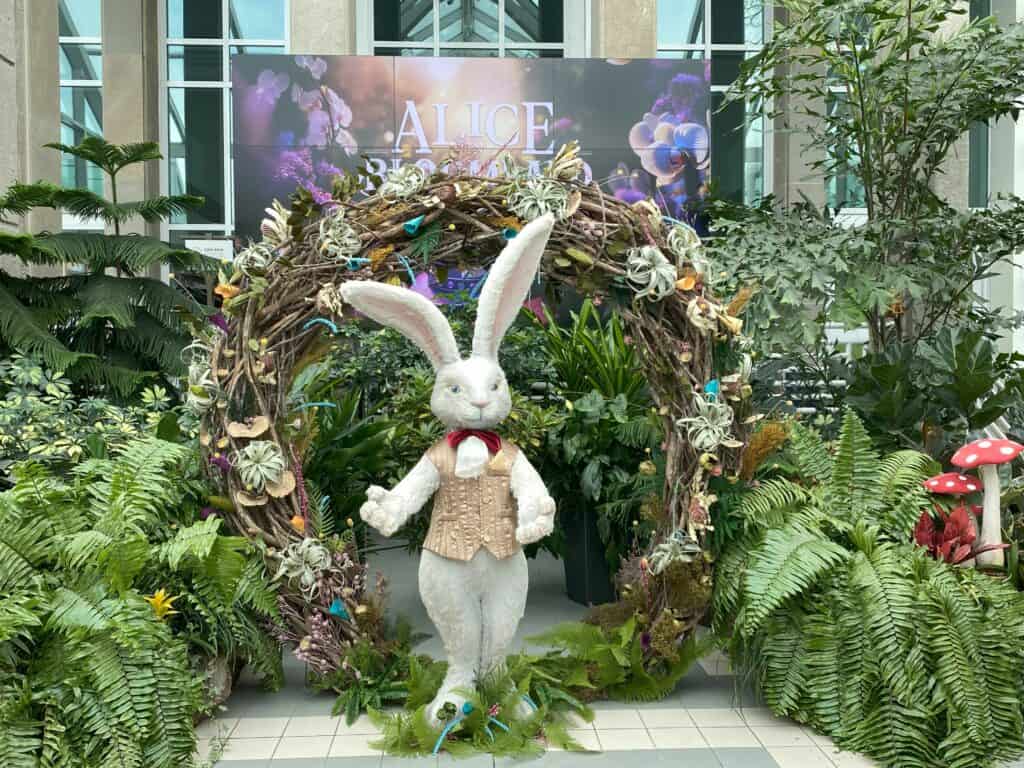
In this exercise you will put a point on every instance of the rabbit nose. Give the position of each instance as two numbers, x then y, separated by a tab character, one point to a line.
478	403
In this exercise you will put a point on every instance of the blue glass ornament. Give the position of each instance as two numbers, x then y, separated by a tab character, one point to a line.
338	609
412	226
508	233
711	389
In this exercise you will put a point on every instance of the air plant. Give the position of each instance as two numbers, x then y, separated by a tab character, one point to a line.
255	259
302	563
652	273
404	182
702	315
678	547
711	425
274	228
259	463
337	237
567	164
684	241
537	195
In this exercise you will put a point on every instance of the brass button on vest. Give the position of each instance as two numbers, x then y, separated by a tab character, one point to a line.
473	512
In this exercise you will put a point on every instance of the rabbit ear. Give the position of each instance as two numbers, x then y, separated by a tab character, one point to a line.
408	312
508	285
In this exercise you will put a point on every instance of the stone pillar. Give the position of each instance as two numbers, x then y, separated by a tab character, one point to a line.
625	30
131	95
323	26
38	100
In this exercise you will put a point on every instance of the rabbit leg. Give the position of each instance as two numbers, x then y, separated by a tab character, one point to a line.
503	602
451	595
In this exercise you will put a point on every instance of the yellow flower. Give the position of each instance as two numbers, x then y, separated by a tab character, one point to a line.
298	524
161	604
226	291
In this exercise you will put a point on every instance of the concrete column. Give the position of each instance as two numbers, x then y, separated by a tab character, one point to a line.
323	26
38	100
625	30
131	94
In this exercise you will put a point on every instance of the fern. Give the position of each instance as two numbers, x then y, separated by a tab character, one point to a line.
849	628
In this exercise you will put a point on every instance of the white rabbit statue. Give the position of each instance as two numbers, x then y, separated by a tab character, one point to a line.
490	500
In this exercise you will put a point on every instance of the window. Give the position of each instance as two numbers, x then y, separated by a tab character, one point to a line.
199	39
843	188
977	138
522	28
81	87
726	32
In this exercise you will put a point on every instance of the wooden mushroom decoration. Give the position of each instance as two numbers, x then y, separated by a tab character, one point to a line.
249	428
284	486
985	455
246	499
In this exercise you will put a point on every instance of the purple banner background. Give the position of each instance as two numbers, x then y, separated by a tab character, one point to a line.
642	124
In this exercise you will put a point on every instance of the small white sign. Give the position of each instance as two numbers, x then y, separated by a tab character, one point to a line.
222	248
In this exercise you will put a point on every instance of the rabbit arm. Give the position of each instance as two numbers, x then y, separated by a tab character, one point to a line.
536	507
387	510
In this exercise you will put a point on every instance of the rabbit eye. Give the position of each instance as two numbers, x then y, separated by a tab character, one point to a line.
494	387
455	389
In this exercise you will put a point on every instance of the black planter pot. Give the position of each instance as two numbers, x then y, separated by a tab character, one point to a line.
588	579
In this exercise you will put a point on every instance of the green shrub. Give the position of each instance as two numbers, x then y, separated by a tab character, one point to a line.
846	626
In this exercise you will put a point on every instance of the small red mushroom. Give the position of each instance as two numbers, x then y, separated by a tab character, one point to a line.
985	455
953	484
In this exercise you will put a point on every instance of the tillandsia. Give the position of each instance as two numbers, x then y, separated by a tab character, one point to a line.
203	389
302	563
652	273
537	195
703	315
404	182
711	425
338	239
567	163
678	547
275	228
255	259
684	241
259	463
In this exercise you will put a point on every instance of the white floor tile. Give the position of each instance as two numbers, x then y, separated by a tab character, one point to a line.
576	721
353	745
249	749
666	718
823	741
730	737
852	760
215	727
607	719
716	718
361	727
625	739
782	736
762	716
259	727
585	737
316	725
799	757
303	746
677	738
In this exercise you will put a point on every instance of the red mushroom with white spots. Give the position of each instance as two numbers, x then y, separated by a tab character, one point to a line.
953	484
985	455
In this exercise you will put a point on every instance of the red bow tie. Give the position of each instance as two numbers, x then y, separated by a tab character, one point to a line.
491	439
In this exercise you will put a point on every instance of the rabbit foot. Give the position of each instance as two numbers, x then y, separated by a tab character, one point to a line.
446	706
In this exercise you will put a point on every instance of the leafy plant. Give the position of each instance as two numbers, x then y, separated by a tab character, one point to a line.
92	671
848	627
882	91
42	418
115	330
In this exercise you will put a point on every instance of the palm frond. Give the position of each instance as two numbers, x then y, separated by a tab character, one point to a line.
19	329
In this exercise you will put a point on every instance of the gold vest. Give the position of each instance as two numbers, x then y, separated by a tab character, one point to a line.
473	512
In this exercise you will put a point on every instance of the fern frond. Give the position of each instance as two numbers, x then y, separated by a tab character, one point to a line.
852	491
808	452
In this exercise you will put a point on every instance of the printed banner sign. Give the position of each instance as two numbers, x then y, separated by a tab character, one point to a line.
642	124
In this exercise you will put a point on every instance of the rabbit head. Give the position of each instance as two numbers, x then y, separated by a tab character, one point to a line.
469	393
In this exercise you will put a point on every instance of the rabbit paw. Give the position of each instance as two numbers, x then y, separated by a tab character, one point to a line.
382	510
536	519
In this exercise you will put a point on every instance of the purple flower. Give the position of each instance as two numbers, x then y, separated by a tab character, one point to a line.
207	512
270	86
645	641
219	321
317	67
221	463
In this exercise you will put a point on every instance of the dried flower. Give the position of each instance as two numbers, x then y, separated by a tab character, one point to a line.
227	290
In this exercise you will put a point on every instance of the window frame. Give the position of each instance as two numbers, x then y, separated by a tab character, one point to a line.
225	43
708	49
70	221
576	33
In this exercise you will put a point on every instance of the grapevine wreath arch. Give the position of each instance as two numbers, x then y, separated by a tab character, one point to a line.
283	299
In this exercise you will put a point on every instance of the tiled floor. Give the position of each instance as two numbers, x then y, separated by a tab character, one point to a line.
709	722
